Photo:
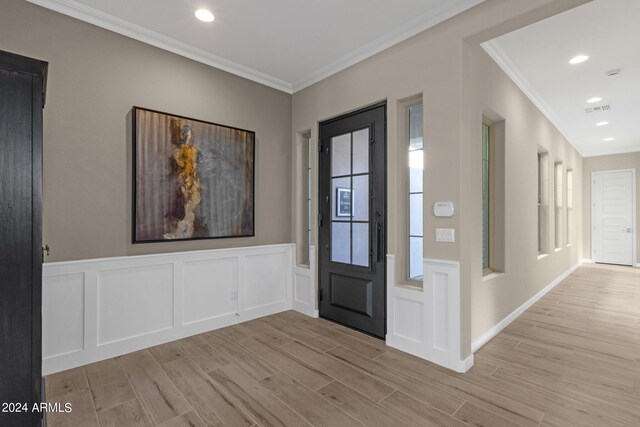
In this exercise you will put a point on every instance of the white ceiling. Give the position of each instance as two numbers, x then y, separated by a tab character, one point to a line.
536	58
286	44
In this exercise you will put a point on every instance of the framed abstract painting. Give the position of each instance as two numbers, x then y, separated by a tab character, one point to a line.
191	179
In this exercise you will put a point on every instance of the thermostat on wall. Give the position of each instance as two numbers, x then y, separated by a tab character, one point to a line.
443	208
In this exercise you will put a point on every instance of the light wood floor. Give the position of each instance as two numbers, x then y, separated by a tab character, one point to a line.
572	359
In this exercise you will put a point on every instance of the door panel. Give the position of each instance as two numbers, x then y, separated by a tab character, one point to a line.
612	195
352	209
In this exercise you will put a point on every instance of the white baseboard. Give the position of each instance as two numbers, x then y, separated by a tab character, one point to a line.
466	364
495	330
587	261
96	309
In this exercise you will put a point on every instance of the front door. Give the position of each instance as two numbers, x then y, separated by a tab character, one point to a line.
612	228
352	207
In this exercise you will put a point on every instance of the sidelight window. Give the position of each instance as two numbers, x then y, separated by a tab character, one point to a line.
416	167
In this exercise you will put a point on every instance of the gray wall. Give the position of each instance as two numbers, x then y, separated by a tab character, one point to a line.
95	77
492	93
605	163
440	65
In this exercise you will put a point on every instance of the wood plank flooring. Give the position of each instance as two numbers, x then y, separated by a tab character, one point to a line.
573	359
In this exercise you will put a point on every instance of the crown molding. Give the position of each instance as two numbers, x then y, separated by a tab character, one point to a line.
93	16
606	151
495	51
96	17
410	29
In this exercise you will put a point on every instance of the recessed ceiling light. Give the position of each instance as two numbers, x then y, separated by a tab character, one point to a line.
204	15
608	139
578	59
602	123
594	99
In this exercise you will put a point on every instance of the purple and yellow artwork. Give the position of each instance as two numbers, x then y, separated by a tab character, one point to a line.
192	179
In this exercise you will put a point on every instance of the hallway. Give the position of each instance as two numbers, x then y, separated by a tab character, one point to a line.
572	359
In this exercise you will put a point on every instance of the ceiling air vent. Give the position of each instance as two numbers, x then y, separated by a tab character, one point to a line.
598	109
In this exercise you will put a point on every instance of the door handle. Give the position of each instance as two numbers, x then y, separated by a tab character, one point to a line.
628	230
379	242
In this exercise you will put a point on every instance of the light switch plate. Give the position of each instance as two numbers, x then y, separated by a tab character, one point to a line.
447	235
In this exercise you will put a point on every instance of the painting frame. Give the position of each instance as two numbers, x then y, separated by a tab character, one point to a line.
136	170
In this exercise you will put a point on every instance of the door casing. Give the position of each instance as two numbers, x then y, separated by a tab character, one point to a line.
633	209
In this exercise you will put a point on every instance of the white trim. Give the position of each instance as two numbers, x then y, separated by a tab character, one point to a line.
634	255
305	291
408	30
109	22
96	17
587	261
604	150
495	330
495	51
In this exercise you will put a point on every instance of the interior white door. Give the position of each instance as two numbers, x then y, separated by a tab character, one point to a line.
613	217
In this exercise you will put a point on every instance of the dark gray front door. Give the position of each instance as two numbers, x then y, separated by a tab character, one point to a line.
352	205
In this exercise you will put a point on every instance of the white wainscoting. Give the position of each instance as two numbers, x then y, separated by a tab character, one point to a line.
101	308
304	286
426	322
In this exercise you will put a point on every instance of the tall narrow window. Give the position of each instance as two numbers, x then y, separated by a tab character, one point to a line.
307	139
569	207
487	195
543	188
416	166
305	196
558	203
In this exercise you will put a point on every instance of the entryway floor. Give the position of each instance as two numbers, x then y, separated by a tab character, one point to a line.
572	359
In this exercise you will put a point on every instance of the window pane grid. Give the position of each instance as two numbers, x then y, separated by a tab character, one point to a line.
415	193
307	246
350	231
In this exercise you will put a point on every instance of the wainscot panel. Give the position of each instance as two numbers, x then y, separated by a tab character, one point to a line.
101	308
426	322
304	286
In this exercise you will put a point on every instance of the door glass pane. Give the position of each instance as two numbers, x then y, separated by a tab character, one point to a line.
361	198
361	244
341	242
341	196
415	214
361	151
341	155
